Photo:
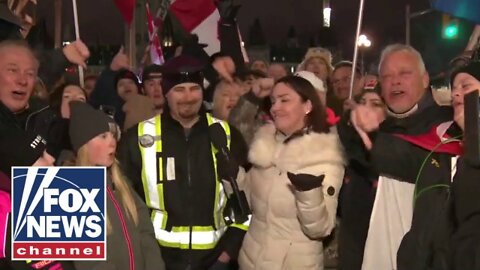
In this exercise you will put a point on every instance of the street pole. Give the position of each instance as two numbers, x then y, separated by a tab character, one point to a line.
408	18
130	45
58	23
363	63
407	24
355	50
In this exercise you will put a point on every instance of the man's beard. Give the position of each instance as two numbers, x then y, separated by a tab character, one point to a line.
188	110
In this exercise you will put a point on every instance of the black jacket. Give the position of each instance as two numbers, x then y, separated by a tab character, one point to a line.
355	208
48	123
9	120
105	94
465	242
395	157
399	159
189	199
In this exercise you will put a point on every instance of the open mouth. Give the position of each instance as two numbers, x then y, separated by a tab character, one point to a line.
396	93
17	94
457	103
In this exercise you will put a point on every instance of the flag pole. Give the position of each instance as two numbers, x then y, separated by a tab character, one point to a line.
77	37
58	23
130	46
355	50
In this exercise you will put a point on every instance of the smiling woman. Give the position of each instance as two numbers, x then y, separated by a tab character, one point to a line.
297	173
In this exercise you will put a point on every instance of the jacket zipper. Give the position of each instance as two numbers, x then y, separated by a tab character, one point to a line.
32	114
124	228
189	181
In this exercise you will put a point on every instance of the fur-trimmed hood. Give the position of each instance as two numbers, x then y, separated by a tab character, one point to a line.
308	150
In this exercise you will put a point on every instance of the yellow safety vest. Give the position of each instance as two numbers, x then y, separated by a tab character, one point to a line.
202	237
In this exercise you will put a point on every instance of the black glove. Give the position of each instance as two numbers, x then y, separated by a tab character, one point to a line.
226	168
228	11
305	182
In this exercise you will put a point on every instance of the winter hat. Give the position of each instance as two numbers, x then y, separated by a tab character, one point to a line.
86	123
126	74
181	69
473	69
19	148
317	52
314	80
152	72
346	63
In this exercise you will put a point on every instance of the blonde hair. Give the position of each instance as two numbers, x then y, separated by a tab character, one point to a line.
120	183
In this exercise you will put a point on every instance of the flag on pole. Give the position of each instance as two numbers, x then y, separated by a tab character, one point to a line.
156	53
199	17
126	8
242	47
467	9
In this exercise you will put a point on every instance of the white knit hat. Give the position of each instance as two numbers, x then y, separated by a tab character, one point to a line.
313	79
318	52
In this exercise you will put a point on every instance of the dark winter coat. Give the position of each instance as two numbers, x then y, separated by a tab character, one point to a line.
137	249
183	196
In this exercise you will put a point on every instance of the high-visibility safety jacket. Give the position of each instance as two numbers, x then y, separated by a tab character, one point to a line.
176	172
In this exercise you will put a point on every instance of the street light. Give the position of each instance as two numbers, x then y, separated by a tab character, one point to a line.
327	11
363	43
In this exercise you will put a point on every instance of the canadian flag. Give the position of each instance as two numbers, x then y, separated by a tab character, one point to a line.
156	53
126	8
199	17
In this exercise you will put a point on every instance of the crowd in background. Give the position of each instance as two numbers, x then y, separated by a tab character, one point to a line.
369	177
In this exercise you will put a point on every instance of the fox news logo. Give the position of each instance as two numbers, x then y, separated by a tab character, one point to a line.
58	213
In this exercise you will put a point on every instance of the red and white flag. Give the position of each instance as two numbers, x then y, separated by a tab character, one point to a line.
156	53
199	17
126	8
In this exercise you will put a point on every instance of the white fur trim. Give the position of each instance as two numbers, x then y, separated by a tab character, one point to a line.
308	150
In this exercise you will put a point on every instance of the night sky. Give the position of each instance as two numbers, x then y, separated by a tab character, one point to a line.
384	20
100	21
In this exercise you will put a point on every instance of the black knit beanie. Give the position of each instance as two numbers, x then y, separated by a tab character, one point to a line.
86	123
152	71
127	74
181	69
473	68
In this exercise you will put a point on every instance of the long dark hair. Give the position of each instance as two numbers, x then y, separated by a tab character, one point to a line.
55	99
316	119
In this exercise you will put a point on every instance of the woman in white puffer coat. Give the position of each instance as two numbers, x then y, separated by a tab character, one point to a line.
293	186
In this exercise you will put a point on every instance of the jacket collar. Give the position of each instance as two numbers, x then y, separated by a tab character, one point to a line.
269	148
8	116
425	102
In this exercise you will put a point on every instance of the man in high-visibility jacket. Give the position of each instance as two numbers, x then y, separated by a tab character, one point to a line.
173	165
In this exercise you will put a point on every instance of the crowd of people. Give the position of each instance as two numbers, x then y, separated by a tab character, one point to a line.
376	181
